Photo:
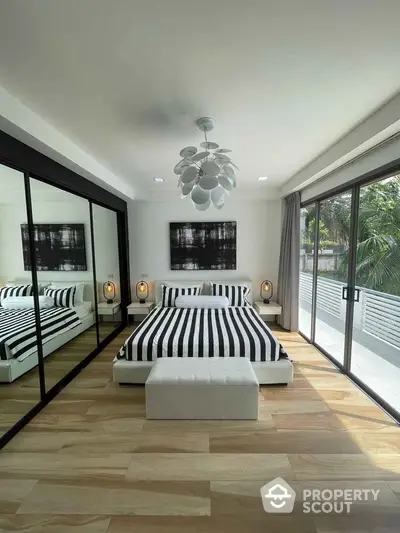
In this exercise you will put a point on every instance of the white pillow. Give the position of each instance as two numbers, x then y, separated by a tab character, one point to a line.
80	287
202	302
27	302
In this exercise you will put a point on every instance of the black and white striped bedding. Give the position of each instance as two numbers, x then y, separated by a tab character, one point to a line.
229	332
18	329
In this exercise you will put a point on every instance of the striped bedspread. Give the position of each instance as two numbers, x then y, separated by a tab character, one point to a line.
230	332
18	329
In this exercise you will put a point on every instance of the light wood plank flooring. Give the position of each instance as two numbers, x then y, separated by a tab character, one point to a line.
92	463
19	397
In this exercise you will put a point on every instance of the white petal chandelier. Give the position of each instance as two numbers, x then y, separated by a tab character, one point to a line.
208	176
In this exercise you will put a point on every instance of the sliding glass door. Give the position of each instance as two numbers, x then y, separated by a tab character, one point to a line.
375	347
332	274
349	300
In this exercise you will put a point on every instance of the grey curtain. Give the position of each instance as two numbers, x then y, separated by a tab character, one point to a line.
289	264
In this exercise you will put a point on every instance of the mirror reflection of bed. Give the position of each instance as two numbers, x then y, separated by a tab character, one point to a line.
62	238
65	274
75	336
16	398
68	336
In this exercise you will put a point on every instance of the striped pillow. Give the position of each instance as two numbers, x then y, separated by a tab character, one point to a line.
170	294
62	297
236	294
15	290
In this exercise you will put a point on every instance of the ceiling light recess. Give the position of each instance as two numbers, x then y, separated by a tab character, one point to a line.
263	178
159	180
208	176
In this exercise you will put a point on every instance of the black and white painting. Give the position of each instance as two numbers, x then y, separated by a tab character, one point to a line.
59	247
203	245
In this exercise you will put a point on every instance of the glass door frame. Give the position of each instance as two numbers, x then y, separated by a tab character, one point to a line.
354	187
315	272
313	275
345	367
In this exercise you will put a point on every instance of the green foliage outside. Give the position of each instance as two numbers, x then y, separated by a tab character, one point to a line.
378	248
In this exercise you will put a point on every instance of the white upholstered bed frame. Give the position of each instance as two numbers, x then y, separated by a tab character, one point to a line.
268	373
12	369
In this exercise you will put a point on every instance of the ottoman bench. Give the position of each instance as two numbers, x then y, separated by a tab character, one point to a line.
202	389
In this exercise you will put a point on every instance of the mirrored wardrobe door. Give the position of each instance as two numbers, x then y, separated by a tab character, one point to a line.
105	235
62	239
19	371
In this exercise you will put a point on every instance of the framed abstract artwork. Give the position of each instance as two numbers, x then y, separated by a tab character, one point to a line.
203	245
59	247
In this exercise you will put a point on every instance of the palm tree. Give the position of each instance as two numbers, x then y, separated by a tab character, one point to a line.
378	248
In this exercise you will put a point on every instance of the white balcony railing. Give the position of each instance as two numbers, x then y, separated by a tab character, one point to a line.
381	316
376	314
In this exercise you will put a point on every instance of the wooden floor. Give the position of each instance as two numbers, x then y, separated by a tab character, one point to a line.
91	463
19	397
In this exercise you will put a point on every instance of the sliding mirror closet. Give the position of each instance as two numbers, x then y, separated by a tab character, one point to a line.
64	264
20	382
61	298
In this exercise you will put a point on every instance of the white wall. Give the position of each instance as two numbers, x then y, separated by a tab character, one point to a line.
258	238
382	155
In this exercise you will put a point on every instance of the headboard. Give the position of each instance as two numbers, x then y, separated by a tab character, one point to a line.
205	284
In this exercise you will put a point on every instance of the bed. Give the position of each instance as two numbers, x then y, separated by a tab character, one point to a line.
18	341
230	332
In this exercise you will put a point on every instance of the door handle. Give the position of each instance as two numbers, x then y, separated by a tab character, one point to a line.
345	293
356	295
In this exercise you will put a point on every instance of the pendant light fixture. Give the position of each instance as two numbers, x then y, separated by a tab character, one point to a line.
208	176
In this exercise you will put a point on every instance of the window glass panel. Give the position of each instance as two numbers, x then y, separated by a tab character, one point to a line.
333	254
375	357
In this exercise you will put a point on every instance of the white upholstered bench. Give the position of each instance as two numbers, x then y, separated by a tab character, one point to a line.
202	388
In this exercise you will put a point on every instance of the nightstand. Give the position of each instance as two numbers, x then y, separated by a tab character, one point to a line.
268	310
137	308
105	309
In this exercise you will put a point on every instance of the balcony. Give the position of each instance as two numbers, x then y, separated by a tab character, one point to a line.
375	357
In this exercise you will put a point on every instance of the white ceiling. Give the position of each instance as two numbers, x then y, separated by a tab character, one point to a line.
126	79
